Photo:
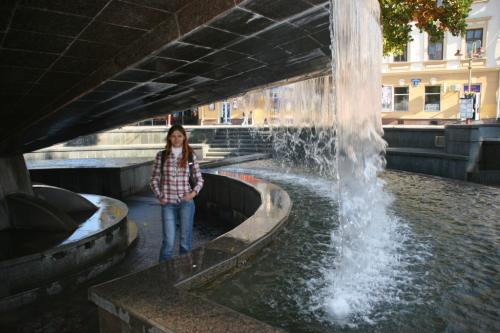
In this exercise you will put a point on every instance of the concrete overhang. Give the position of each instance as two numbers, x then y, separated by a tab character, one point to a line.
69	68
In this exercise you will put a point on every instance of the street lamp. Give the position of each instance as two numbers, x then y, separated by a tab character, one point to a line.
470	55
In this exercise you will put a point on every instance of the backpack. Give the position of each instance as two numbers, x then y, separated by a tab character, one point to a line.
192	178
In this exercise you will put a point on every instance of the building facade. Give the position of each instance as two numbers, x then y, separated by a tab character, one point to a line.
429	84
426	83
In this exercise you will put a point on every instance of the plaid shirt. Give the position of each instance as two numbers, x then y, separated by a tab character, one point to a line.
175	181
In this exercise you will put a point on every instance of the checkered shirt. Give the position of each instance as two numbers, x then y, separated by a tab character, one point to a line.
175	181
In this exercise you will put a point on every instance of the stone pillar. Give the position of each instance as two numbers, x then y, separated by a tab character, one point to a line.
14	178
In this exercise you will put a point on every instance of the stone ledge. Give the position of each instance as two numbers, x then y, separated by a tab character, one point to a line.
158	299
414	127
234	160
421	152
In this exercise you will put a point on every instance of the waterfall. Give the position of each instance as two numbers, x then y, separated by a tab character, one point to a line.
331	126
365	245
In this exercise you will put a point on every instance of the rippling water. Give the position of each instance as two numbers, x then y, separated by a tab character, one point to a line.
445	243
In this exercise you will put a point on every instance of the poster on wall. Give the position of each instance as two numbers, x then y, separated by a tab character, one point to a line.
386	98
476	89
466	108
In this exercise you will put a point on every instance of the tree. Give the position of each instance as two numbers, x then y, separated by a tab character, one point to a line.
433	16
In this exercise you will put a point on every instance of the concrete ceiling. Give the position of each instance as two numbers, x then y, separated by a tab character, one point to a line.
69	68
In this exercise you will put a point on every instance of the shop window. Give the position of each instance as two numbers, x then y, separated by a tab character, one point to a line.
435	49
432	98
401	98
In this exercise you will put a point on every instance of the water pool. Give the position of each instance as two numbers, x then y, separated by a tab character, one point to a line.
441	274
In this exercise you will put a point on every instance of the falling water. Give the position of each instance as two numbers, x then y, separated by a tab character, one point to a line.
365	243
332	126
302	128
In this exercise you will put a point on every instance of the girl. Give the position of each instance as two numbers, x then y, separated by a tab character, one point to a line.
170	184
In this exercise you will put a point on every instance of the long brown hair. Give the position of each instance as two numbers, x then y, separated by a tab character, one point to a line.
186	148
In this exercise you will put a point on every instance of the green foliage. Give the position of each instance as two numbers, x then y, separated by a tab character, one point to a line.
433	16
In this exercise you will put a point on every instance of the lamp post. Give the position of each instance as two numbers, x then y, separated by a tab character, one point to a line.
470	56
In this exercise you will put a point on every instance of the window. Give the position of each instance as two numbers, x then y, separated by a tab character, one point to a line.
402	57
435	49
474	41
386	98
401	98
432	98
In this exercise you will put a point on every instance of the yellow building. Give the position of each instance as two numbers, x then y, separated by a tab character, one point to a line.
425	84
234	111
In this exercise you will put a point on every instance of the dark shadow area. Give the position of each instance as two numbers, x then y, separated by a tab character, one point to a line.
71	311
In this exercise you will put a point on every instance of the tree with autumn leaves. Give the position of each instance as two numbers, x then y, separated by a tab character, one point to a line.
433	16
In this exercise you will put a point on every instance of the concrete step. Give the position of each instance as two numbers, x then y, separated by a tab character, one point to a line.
234	137
219	153
238	143
247	151
213	158
240	134
233	149
221	145
214	149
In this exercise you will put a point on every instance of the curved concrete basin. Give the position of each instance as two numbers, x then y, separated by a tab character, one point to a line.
64	259
158	299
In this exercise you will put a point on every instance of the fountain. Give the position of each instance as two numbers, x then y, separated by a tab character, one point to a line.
359	260
363	250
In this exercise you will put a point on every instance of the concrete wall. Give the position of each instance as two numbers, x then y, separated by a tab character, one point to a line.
468	140
437	164
429	137
14	178
115	182
129	141
454	151
132	135
228	201
466	152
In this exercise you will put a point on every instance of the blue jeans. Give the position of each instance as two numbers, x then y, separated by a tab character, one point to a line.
170	213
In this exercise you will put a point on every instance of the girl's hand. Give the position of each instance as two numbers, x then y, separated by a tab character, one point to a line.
189	196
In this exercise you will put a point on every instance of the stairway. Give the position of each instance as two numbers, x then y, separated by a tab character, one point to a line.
230	142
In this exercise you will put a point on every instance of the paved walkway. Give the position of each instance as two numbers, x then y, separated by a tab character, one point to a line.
71	311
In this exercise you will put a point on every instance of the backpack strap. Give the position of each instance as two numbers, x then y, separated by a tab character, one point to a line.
163	156
190	163
192	177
